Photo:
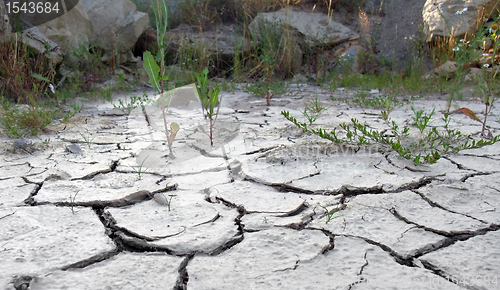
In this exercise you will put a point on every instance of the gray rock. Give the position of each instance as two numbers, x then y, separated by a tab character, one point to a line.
38	42
116	24
317	28
445	21
69	30
75	149
221	42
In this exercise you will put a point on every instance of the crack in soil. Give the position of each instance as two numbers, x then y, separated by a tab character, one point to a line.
435	204
183	278
331	243
451	237
30	200
441	273
463	179
122	240
400	260
112	167
92	260
361	279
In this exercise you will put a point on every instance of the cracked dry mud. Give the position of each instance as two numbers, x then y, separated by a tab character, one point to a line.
247	213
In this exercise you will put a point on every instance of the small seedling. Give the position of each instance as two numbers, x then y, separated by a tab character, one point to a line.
421	119
265	220
268	88
209	98
329	214
72	202
139	170
134	102
46	142
169	202
87	138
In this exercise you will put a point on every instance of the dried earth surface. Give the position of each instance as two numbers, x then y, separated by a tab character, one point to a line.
117	212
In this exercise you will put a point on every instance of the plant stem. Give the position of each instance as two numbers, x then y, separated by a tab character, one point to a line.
211	132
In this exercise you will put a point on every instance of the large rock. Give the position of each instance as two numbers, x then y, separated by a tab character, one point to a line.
32	37
222	42
39	43
446	20
70	30
116	24
316	28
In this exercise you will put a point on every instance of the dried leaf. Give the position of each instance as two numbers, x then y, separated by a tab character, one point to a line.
470	114
174	127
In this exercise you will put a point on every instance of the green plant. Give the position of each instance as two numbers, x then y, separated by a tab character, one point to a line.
313	109
210	101
87	139
25	120
72	202
161	199
133	103
467	52
329	214
488	86
193	57
427	149
386	103
22	71
86	60
267	88
156	74
169	202
421	119
139	170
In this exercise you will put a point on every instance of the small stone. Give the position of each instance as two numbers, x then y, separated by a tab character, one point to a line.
23	144
75	149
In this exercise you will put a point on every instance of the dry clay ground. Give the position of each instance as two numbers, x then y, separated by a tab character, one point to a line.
250	211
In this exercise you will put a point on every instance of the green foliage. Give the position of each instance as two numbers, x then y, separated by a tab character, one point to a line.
139	169
87	138
329	214
72	202
267	88
427	149
28	121
313	109
23	73
209	98
169	202
421	119
153	71
156	73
